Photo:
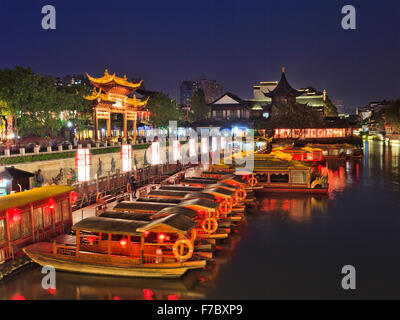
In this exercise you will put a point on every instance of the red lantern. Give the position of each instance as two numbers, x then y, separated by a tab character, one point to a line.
73	196
146	233
91	239
14	214
161	237
123	242
51	203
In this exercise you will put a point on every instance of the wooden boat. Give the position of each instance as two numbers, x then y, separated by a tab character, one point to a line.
339	151
162	248
205	213
305	154
277	175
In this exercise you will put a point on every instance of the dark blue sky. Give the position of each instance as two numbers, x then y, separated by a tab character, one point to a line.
237	42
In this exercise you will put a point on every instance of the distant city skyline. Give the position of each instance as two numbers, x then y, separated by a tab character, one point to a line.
239	43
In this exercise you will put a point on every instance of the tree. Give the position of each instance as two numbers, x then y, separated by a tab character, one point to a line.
199	108
163	109
293	116
330	108
36	103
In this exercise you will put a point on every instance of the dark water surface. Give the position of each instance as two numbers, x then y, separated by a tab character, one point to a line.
294	247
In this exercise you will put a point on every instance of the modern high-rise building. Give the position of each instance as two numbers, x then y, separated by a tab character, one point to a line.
212	90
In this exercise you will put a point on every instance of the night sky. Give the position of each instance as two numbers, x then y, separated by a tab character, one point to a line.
236	42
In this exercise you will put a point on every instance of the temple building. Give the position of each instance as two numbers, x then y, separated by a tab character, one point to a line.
111	95
266	93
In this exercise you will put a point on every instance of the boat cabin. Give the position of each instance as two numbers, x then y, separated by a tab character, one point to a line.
34	215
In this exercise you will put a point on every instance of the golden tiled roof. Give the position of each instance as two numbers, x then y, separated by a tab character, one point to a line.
109	79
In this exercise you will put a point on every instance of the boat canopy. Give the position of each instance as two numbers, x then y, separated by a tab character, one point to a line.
220	174
159	200
175	223
24	198
221	191
200	195
176	210
201	203
109	225
199	181
141	216
143	206
224	185
180	188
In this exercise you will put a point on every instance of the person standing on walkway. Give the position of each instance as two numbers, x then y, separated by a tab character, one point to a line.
132	182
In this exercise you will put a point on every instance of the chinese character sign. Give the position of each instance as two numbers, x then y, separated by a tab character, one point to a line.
83	161
126	157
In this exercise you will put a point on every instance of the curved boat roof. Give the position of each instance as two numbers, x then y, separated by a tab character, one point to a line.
200	203
170	193
200	195
159	200
142	216
174	223
221	184
200	181
178	187
176	210
221	191
135	205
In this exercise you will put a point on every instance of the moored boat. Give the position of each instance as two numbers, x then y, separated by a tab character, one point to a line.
162	248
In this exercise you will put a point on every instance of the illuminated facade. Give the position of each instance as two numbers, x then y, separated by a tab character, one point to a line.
110	95
311	133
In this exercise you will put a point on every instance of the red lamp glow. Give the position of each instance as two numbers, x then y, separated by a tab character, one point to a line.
14	214
51	203
91	239
123	242
161	237
73	196
146	233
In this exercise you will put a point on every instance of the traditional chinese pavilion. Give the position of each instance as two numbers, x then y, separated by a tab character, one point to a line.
111	95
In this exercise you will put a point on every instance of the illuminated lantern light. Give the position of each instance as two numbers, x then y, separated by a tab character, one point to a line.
18	297
214	144
173	297
148	294
161	237
91	239
51	203
52	290
123	242
176	146
126	157
146	233
73	196
14	214
155	153
83	161
192	147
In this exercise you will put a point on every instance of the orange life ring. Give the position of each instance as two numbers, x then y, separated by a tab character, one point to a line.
253	181
128	188
98	197
179	248
209	225
226	206
241	193
234	200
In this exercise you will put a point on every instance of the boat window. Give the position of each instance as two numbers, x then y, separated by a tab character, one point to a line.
46	216
325	152
65	210
281	177
15	229
349	151
3	236
58	213
38	218
26	226
333	152
299	176
262	177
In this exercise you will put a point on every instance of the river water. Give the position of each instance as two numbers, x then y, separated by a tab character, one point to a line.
293	247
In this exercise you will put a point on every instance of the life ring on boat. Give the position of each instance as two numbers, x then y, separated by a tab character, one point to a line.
226	207
215	214
241	193
209	225
253	181
128	188
235	200
178	249
98	197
